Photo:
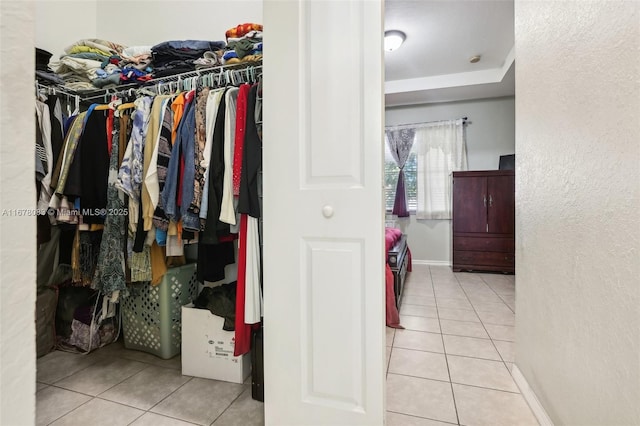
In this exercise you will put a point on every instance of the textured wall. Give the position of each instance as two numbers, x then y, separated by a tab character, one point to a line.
172	20
17	233
147	22
577	208
491	133
51	15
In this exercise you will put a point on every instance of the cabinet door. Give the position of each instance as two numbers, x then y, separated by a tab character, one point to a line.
469	204
501	204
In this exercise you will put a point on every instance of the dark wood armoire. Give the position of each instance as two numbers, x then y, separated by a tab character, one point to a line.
484	221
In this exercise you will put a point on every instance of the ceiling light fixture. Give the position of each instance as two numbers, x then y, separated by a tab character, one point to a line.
474	59
393	39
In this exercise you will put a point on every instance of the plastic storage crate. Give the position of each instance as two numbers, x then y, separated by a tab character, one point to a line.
151	315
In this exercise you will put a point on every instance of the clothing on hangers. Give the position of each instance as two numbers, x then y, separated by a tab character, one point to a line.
249	202
199	145
160	219
180	147
190	219
55	118
170	193
92	160
227	209
241	119
45	153
177	106
213	102
110	274
213	227
150	186
130	175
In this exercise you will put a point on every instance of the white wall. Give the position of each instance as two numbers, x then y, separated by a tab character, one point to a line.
149	22
17	233
138	22
577	208
490	133
61	23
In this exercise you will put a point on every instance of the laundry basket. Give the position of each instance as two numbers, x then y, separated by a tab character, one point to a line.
151	315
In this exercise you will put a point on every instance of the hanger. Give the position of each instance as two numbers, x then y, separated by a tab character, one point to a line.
126	106
76	111
115	102
145	91
111	105
68	105
41	93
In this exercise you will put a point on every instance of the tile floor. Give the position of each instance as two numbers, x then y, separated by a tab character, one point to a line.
450	365
452	362
115	386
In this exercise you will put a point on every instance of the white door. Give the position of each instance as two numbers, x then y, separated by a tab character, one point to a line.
323	212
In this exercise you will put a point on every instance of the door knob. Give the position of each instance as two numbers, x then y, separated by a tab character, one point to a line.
327	211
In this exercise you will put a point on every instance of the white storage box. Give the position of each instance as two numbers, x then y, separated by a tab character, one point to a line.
207	350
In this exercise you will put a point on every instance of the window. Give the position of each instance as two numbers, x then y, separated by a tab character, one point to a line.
441	150
438	149
410	179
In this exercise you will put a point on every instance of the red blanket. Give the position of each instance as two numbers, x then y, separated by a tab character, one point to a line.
391	236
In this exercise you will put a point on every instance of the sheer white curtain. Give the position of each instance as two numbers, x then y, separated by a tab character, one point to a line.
441	150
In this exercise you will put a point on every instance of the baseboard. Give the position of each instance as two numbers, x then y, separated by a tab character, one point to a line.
431	262
531	398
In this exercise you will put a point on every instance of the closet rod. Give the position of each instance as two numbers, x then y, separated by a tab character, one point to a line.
55	90
204	71
123	89
83	96
424	123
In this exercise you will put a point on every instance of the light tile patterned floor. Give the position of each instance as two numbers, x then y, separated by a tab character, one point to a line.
115	386
450	365
452	362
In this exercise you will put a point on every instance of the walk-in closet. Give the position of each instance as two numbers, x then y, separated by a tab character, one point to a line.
149	186
173	245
